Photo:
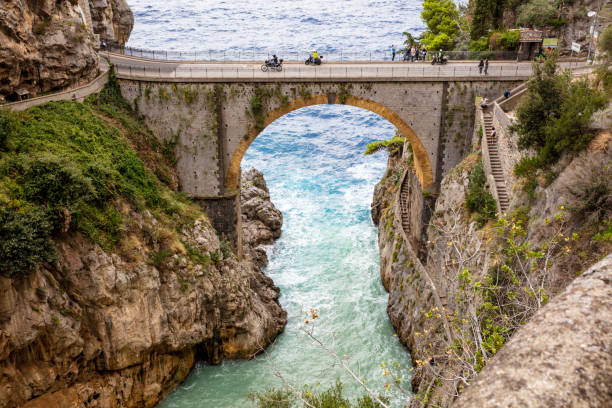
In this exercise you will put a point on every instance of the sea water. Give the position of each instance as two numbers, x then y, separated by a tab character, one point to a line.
327	257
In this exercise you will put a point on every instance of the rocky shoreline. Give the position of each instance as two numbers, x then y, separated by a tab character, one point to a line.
99	329
261	220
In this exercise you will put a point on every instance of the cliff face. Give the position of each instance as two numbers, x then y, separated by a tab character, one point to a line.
435	268
261	220
120	325
112	20
47	45
104	329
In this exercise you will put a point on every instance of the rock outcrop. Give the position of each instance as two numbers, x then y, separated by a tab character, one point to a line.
261	220
112	20
48	45
99	329
44	46
561	358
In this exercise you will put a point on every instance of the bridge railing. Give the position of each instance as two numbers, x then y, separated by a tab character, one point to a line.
292	55
245	72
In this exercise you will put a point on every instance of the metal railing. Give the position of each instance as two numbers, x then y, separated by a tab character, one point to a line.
221	72
347	72
292	55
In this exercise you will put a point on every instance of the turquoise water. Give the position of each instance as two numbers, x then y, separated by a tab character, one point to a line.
326	259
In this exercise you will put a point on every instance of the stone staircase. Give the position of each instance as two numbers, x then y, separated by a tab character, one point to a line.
404	197
495	162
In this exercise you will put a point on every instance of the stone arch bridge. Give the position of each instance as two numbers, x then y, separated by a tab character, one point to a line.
211	119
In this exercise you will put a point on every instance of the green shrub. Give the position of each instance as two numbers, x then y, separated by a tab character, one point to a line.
537	13
478	200
24	239
329	398
51	181
159	257
7	126
508	40
605	41
66	167
481	44
392	145
590	192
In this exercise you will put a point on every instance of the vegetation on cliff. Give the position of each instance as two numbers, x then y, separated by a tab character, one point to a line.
68	166
393	145
490	25
554	119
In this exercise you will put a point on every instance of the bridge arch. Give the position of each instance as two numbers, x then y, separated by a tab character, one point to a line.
421	159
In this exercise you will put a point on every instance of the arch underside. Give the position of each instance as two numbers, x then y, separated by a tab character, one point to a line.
421	159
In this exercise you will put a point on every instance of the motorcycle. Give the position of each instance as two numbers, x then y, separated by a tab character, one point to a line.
314	61
271	65
441	61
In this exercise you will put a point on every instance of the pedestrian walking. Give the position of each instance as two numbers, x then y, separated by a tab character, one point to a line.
480	66
418	53
493	134
484	103
392	52
486	62
507	94
412	53
424	53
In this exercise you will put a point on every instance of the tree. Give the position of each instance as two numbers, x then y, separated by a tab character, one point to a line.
486	14
537	13
605	42
554	118
442	20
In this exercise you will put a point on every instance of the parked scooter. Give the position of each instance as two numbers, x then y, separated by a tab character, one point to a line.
441	61
314	61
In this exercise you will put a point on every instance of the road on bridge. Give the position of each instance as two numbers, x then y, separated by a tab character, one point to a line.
139	68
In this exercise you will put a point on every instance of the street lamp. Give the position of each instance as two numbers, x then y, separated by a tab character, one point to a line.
592	30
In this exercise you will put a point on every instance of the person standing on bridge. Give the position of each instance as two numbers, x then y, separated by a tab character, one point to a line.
486	62
480	66
392	52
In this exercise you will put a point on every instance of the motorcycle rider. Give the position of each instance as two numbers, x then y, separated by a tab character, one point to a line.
275	60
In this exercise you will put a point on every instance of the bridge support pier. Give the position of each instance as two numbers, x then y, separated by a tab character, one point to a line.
226	217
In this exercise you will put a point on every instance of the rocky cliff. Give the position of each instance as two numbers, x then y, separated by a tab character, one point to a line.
102	330
112	20
49	45
261	220
452	276
113	322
